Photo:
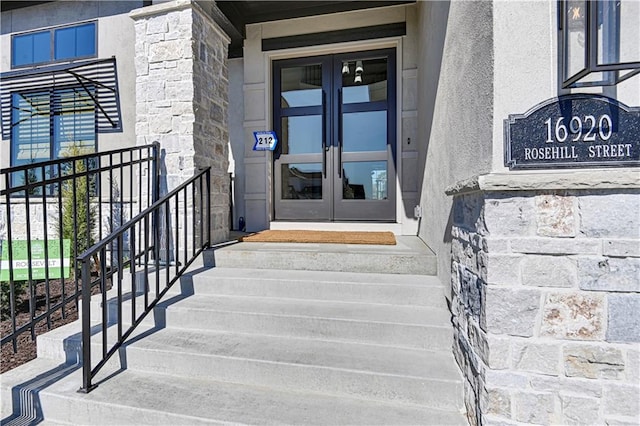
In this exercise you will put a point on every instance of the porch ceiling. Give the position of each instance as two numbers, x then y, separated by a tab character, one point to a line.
238	13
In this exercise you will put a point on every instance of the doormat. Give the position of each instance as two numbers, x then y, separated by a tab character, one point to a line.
328	237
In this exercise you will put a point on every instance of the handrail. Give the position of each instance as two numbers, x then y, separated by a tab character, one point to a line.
154	228
101	189
77	157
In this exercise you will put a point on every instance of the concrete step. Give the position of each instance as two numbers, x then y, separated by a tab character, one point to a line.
141	398
420	290
303	365
405	326
409	256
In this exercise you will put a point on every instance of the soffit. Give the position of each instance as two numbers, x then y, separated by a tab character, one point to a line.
238	13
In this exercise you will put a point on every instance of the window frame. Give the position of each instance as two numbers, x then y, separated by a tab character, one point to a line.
52	44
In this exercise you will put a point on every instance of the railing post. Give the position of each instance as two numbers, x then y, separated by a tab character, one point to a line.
12	288
155	196
86	328
208	175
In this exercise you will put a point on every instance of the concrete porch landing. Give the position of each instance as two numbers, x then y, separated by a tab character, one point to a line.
409	256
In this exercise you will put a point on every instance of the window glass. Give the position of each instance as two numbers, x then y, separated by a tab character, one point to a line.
68	43
74	42
31	48
72	118
73	123
31	130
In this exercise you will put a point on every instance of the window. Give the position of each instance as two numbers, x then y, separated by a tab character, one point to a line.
56	44
51	124
599	42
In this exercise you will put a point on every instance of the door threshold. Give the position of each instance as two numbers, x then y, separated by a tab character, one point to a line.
396	228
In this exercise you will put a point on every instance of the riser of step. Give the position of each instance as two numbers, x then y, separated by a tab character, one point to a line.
240	256
207	402
431	337
262	290
403	335
418	290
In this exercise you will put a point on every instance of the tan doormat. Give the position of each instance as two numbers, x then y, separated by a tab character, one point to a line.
329	237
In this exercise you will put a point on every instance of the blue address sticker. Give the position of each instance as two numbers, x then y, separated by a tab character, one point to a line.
265	141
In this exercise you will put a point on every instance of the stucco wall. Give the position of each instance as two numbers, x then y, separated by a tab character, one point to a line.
115	38
455	110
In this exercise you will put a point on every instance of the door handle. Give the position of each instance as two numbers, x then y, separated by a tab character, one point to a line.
325	148
339	141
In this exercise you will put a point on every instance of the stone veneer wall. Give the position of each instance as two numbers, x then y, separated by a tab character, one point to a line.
546	305
182	97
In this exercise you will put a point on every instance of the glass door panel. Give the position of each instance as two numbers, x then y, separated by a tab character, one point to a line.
364	81
300	120
301	135
302	181
364	184
364	180
335	119
301	86
364	131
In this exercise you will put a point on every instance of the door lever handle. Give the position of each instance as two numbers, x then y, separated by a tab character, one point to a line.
325	147
339	140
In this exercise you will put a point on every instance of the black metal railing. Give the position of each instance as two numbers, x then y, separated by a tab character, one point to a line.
54	210
164	240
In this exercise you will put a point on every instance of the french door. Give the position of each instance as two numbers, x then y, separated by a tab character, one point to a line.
335	117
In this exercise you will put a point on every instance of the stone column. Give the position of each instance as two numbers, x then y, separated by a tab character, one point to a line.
546	297
181	97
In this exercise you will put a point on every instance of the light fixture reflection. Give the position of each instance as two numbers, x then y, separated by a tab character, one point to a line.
358	79
359	67
345	68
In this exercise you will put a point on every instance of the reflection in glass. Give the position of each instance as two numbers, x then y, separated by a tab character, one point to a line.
364	131
366	81
575	33
365	180
301	86
302	135
302	181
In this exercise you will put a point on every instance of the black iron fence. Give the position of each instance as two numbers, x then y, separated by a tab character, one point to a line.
51	212
164	240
